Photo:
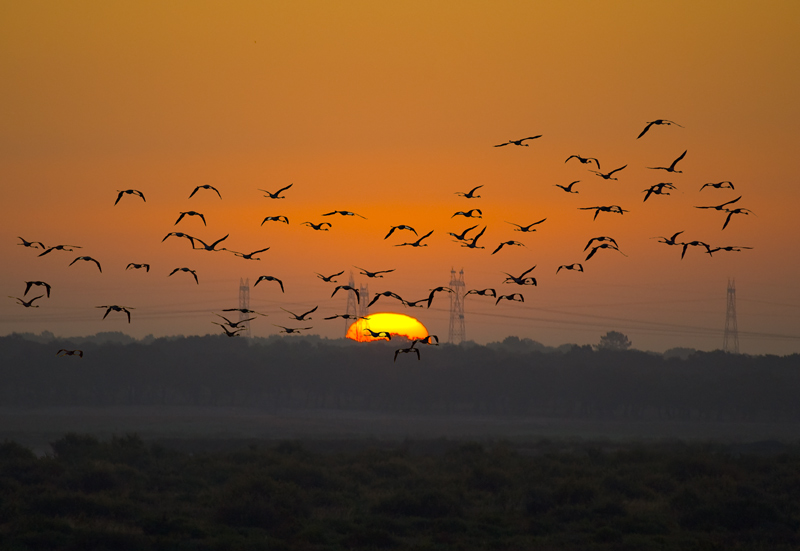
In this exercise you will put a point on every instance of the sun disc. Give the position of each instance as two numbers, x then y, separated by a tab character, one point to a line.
394	324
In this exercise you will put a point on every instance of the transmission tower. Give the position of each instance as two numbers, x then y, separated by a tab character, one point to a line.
244	302
730	341
456	333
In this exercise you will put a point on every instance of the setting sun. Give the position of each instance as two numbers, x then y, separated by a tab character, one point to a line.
394	324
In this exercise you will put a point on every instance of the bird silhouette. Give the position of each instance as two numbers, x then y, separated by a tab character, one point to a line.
233	324
417	243
373	274
656	122
407	350
607	175
329	279
670	168
504	243
482	292
206	246
473	244
206	186
604	246
694	244
87	259
385	294
718	185
129	192
243	311
612	208
317	227
417	303
279	218
568	188
277	194
31	244
400	227
347	288
438	290
519	142
515	297
378	334
268	278
731	212
27	303
300	317
729	249
585	160
427	340
470	194
116	308
343	213
717	207
528	228
347	317
668	240
469	213
657	189
521	280
136	266
29	284
179	234
601	239
189	271
577	267
67	248
64	352
228	332
190	213
292	329
248	256
463	235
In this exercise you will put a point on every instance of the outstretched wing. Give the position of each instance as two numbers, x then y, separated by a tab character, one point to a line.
646	128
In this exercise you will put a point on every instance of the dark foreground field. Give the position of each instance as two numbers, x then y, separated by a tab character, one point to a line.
128	493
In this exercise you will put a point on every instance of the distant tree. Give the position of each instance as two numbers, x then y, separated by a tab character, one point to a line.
614	340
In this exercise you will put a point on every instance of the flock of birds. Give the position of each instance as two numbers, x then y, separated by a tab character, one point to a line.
232	328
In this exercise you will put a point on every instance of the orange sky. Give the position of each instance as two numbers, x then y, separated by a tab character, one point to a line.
387	109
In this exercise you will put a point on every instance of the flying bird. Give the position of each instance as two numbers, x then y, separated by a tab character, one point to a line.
29	284
87	259
670	168
657	122
378	334
694	244
317	227
268	278
343	213
470	194
521	280
68	248
528	228
463	235
206	186
568	188
612	208
136	266
189	271
416	303
735	249
400	227
577	267
228	332
468	214
292	329
329	279
64	352
657	189
385	294
427	340
715	207
418	242
347	288
248	256
482	292
28	303
516	297
585	160
233	324
601	239
129	192
668	240
208	247
718	185
31	244
607	175
180	234
474	243
604	246
279	218
190	213
438	290
504	243
373	274
116	308
407	350
347	317
277	194
301	317
243	311
735	211
519	142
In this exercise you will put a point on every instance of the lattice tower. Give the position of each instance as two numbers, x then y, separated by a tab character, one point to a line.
456	335
244	302
730	340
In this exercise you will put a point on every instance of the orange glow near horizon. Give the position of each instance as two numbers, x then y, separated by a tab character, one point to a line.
395	324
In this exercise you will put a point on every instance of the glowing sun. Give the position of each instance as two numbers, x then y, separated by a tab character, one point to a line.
394	324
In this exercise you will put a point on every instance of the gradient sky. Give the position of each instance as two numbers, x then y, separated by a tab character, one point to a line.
387	109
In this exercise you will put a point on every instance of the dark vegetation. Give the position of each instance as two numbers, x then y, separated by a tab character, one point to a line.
128	494
512	379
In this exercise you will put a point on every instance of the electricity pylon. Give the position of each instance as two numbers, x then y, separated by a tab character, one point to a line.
456	333
244	302
730	340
